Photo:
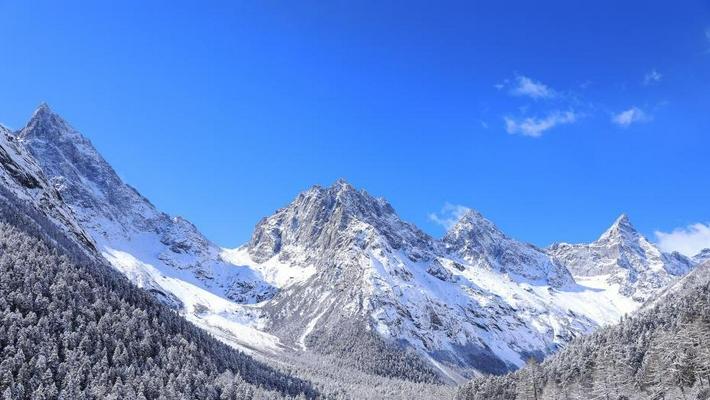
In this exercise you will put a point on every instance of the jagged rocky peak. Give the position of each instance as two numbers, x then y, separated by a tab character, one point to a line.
84	178
334	217
478	241
626	258
621	229
472	232
47	124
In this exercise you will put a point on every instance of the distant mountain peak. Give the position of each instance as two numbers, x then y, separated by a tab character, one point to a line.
472	218
46	124
44	113
472	225
620	229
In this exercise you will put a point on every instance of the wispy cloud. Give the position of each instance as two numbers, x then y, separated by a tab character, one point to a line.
688	240
630	116
535	127
652	77
449	215
528	87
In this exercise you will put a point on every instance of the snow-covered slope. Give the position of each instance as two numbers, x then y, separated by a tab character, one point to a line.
338	272
120	219
622	256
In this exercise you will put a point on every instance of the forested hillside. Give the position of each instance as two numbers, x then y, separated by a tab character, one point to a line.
77	330
661	353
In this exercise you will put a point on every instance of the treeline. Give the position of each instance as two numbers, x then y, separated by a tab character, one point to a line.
661	353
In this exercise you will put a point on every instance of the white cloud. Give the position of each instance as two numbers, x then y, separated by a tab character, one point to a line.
687	241
527	87
652	77
449	215
535	127
630	116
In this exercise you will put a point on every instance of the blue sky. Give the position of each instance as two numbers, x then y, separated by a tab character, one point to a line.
550	118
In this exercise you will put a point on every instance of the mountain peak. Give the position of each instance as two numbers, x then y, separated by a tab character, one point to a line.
332	217
45	123
341	183
43	107
473	216
621	227
623	220
472	222
44	113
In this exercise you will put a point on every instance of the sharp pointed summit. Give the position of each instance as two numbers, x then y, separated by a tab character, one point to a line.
621	228
625	258
44	118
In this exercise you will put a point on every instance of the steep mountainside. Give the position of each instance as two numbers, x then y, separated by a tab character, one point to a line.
22	180
123	223
623	257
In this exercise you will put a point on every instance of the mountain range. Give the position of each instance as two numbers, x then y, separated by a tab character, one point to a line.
337	273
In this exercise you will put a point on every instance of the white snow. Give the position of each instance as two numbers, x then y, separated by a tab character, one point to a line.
309	329
233	323
273	271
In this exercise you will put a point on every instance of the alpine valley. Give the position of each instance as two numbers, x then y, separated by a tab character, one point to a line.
336	277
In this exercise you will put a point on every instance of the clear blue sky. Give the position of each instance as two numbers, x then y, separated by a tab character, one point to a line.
550	118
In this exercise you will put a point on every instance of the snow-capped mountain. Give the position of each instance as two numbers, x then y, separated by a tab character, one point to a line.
622	256
122	222
338	272
475	301
702	256
477	241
